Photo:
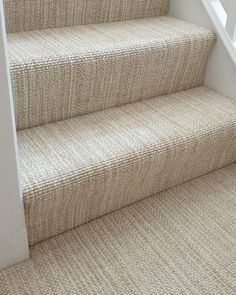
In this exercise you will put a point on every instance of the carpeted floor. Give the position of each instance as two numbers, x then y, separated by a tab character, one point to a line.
82	168
110	109
182	241
28	15
65	72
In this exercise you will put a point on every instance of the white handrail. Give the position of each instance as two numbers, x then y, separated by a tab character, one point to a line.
219	17
227	16
13	237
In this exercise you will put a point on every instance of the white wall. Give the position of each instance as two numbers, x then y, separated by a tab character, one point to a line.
13	238
221	71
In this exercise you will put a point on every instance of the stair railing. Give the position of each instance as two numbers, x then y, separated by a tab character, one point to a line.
223	15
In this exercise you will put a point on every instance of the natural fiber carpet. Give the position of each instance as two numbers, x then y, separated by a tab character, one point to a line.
62	73
82	168
110	109
27	15
182	241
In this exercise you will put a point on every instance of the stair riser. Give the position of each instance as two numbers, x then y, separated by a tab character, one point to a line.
127	182
48	93
26	15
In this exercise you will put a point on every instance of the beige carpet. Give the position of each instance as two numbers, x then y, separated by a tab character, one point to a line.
27	15
81	168
66	72
182	241
151	126
109	110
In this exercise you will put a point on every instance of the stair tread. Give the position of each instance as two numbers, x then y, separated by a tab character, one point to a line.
25	15
53	46
62	73
97	141
60	159
187	232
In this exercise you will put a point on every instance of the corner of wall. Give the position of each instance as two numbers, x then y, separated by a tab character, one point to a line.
220	70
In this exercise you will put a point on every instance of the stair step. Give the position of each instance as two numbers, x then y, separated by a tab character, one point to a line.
181	241
81	168
62	73
27	15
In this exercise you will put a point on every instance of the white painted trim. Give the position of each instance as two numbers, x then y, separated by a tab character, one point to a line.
13	236
220	11
217	22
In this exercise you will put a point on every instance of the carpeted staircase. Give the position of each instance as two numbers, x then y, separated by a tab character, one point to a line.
180	242
110	109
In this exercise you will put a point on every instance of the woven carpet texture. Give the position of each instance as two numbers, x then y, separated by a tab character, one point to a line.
66	72
182	241
111	109
28	15
81	168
